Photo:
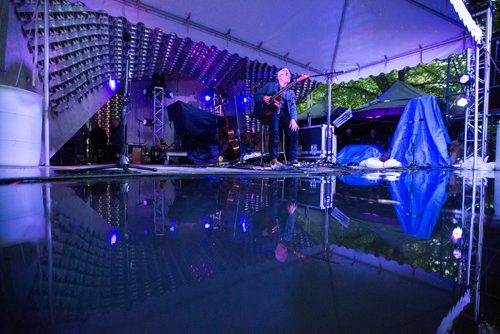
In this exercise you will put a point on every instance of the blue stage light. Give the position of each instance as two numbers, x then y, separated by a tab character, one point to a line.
208	98
112	84
114	238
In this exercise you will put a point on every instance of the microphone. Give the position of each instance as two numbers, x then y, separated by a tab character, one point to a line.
416	120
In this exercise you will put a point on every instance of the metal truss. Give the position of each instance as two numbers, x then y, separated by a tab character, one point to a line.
473	216
159	209
159	113
476	112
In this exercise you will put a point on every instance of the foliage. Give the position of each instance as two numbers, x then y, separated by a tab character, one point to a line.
430	78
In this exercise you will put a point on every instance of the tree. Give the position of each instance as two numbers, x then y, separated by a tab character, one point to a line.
430	78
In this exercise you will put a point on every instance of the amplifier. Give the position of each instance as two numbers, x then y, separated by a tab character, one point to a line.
312	142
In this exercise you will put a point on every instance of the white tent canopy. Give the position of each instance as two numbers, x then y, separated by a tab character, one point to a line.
355	38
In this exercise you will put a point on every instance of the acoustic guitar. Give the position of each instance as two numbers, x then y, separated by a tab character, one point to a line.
268	109
230	144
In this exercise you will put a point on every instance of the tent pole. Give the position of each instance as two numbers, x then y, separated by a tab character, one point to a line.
46	32
448	76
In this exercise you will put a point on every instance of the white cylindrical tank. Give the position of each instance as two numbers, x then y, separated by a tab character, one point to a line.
20	127
497	151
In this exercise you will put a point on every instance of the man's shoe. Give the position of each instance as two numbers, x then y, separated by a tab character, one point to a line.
294	163
275	164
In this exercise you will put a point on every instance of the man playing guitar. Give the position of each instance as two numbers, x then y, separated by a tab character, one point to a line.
280	110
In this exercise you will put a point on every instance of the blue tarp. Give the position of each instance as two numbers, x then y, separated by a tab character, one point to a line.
421	137
354	154
359	180
420	196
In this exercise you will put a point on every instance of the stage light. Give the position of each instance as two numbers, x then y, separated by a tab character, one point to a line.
147	122
244	223
457	254
208	98
207	225
114	238
148	91
112	84
245	100
169	94
464	79
462	102
457	234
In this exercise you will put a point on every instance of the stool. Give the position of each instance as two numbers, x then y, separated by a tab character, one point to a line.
262	143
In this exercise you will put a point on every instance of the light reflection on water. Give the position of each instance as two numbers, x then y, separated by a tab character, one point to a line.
116	244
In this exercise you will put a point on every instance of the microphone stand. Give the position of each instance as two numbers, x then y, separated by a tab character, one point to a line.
123	161
330	130
238	129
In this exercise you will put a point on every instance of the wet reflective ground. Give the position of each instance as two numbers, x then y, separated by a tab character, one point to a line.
405	252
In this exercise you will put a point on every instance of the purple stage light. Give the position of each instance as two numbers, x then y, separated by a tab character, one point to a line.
457	234
457	254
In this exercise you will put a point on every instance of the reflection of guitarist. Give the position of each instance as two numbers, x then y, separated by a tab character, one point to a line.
277	108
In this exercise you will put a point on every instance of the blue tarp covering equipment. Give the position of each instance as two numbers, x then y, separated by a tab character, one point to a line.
354	154
421	137
420	196
359	180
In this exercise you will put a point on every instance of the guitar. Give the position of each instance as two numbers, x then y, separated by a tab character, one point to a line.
267	109
230	144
